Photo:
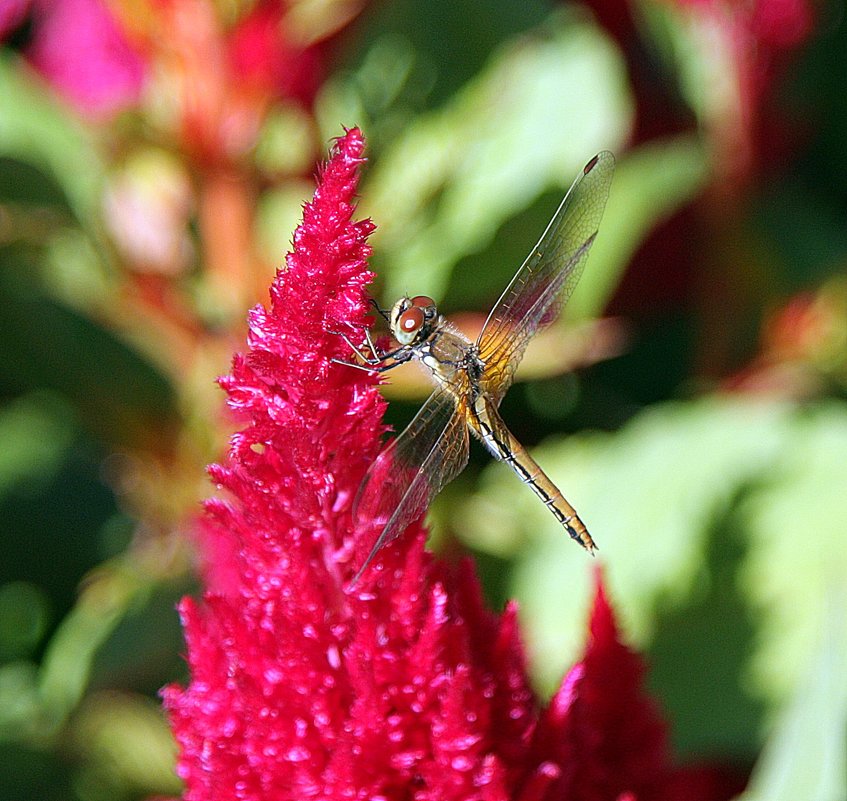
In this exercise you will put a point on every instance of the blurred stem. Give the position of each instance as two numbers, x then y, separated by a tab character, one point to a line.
226	210
155	312
66	667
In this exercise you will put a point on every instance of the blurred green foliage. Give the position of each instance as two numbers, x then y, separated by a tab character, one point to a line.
705	447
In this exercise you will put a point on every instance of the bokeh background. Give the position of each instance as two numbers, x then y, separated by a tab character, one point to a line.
153	158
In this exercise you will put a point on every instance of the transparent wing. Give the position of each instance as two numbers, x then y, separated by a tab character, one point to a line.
411	470
545	281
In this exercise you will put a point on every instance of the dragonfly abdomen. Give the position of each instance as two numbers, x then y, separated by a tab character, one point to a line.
491	429
532	475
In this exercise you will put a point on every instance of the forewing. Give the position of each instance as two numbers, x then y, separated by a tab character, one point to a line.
547	278
412	470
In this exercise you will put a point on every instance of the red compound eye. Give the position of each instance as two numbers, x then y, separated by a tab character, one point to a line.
411	319
422	300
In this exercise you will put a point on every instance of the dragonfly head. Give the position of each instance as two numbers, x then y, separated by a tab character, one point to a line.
412	319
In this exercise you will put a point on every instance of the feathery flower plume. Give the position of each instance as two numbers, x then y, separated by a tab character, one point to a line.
407	687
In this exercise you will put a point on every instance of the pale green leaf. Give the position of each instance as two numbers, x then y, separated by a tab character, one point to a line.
806	756
35	128
656	496
36	431
524	125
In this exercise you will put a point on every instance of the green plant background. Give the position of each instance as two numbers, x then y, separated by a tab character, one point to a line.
721	516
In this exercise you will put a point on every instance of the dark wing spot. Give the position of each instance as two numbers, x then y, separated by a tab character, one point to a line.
590	166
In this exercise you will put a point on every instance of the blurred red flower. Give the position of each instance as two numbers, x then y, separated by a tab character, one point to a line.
81	50
12	15
407	687
264	58
751	43
222	73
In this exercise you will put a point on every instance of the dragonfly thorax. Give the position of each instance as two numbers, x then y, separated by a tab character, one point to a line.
412	319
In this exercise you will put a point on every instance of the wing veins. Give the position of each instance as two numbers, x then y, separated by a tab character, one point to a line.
540	254
557	260
425	483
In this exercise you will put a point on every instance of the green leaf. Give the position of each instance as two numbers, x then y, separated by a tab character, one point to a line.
648	495
126	748
461	195
25	185
540	109
36	432
650	184
798	548
806	755
117	394
35	128
69	657
721	526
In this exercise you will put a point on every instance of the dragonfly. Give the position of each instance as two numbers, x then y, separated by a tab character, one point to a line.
471	378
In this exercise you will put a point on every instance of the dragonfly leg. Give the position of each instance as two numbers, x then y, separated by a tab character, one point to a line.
388	361
371	345
382	312
375	359
368	368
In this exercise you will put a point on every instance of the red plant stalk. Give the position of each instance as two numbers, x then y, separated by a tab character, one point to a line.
406	687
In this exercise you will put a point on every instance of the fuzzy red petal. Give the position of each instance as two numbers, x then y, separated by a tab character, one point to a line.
601	729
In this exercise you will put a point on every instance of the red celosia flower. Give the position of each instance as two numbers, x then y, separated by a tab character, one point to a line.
406	688
12	15
606	734
82	51
224	72
262	57
758	39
